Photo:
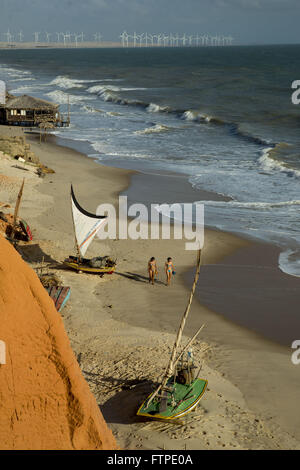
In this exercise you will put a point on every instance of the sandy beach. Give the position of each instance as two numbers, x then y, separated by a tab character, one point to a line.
122	329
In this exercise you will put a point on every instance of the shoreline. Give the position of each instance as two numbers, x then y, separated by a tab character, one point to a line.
266	254
123	318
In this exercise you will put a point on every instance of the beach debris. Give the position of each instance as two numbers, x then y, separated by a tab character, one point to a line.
5	205
17	148
59	294
14	227
20	167
20	159
3	217
43	170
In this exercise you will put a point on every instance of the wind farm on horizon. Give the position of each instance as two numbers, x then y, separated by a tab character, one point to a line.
78	40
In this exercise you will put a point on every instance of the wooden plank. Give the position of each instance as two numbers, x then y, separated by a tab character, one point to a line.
63	297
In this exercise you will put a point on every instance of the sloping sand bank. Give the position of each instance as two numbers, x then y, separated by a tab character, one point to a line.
45	402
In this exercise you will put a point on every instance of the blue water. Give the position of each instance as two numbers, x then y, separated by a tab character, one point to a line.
223	116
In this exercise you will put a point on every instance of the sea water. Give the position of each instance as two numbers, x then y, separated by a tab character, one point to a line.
221	115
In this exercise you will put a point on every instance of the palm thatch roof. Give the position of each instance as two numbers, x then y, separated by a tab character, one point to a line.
29	102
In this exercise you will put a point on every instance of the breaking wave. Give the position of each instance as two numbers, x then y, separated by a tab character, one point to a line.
61	97
269	162
251	205
67	83
100	89
158	128
12	72
110	94
155	108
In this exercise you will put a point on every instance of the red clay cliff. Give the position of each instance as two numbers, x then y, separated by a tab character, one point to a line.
45	402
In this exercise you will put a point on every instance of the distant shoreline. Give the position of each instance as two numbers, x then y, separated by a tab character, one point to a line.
54	45
117	45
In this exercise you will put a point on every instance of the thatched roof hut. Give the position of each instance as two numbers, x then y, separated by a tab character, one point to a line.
29	103
28	110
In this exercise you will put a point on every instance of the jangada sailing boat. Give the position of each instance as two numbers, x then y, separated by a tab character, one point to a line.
180	390
86	225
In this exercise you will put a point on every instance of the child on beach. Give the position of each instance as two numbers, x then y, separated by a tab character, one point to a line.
152	269
170	270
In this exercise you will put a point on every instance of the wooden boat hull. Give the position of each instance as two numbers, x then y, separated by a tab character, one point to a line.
59	295
85	268
186	396
26	229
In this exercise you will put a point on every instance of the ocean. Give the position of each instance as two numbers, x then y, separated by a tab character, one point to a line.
223	116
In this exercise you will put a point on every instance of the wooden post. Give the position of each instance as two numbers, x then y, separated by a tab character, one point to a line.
68	110
17	209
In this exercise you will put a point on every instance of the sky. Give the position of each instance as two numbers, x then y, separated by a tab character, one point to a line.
248	21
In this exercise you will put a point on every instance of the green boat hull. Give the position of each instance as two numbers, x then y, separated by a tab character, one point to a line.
186	397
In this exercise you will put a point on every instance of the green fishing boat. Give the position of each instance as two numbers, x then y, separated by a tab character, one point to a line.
181	389
177	402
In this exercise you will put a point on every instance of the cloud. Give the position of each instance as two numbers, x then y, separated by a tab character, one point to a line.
257	4
246	20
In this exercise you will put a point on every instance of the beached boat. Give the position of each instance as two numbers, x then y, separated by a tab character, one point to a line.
60	295
180	389
86	225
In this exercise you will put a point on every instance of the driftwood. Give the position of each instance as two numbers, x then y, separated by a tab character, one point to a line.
14	225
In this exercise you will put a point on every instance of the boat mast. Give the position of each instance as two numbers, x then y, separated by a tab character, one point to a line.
172	363
76	242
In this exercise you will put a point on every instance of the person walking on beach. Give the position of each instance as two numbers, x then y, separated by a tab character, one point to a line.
152	269
170	270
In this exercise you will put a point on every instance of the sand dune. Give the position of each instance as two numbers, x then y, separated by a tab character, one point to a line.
45	402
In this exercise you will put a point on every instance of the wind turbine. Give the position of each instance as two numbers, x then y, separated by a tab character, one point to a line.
36	37
98	37
135	37
68	36
8	36
123	36
48	36
184	39
21	36
141	37
151	37
159	38
165	40
230	39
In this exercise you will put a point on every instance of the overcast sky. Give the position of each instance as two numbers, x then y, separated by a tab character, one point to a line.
248	21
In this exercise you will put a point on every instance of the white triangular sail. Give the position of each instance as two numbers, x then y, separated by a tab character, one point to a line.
86	225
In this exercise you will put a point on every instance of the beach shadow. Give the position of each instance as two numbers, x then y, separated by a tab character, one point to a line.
122	407
125	384
34	254
137	277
